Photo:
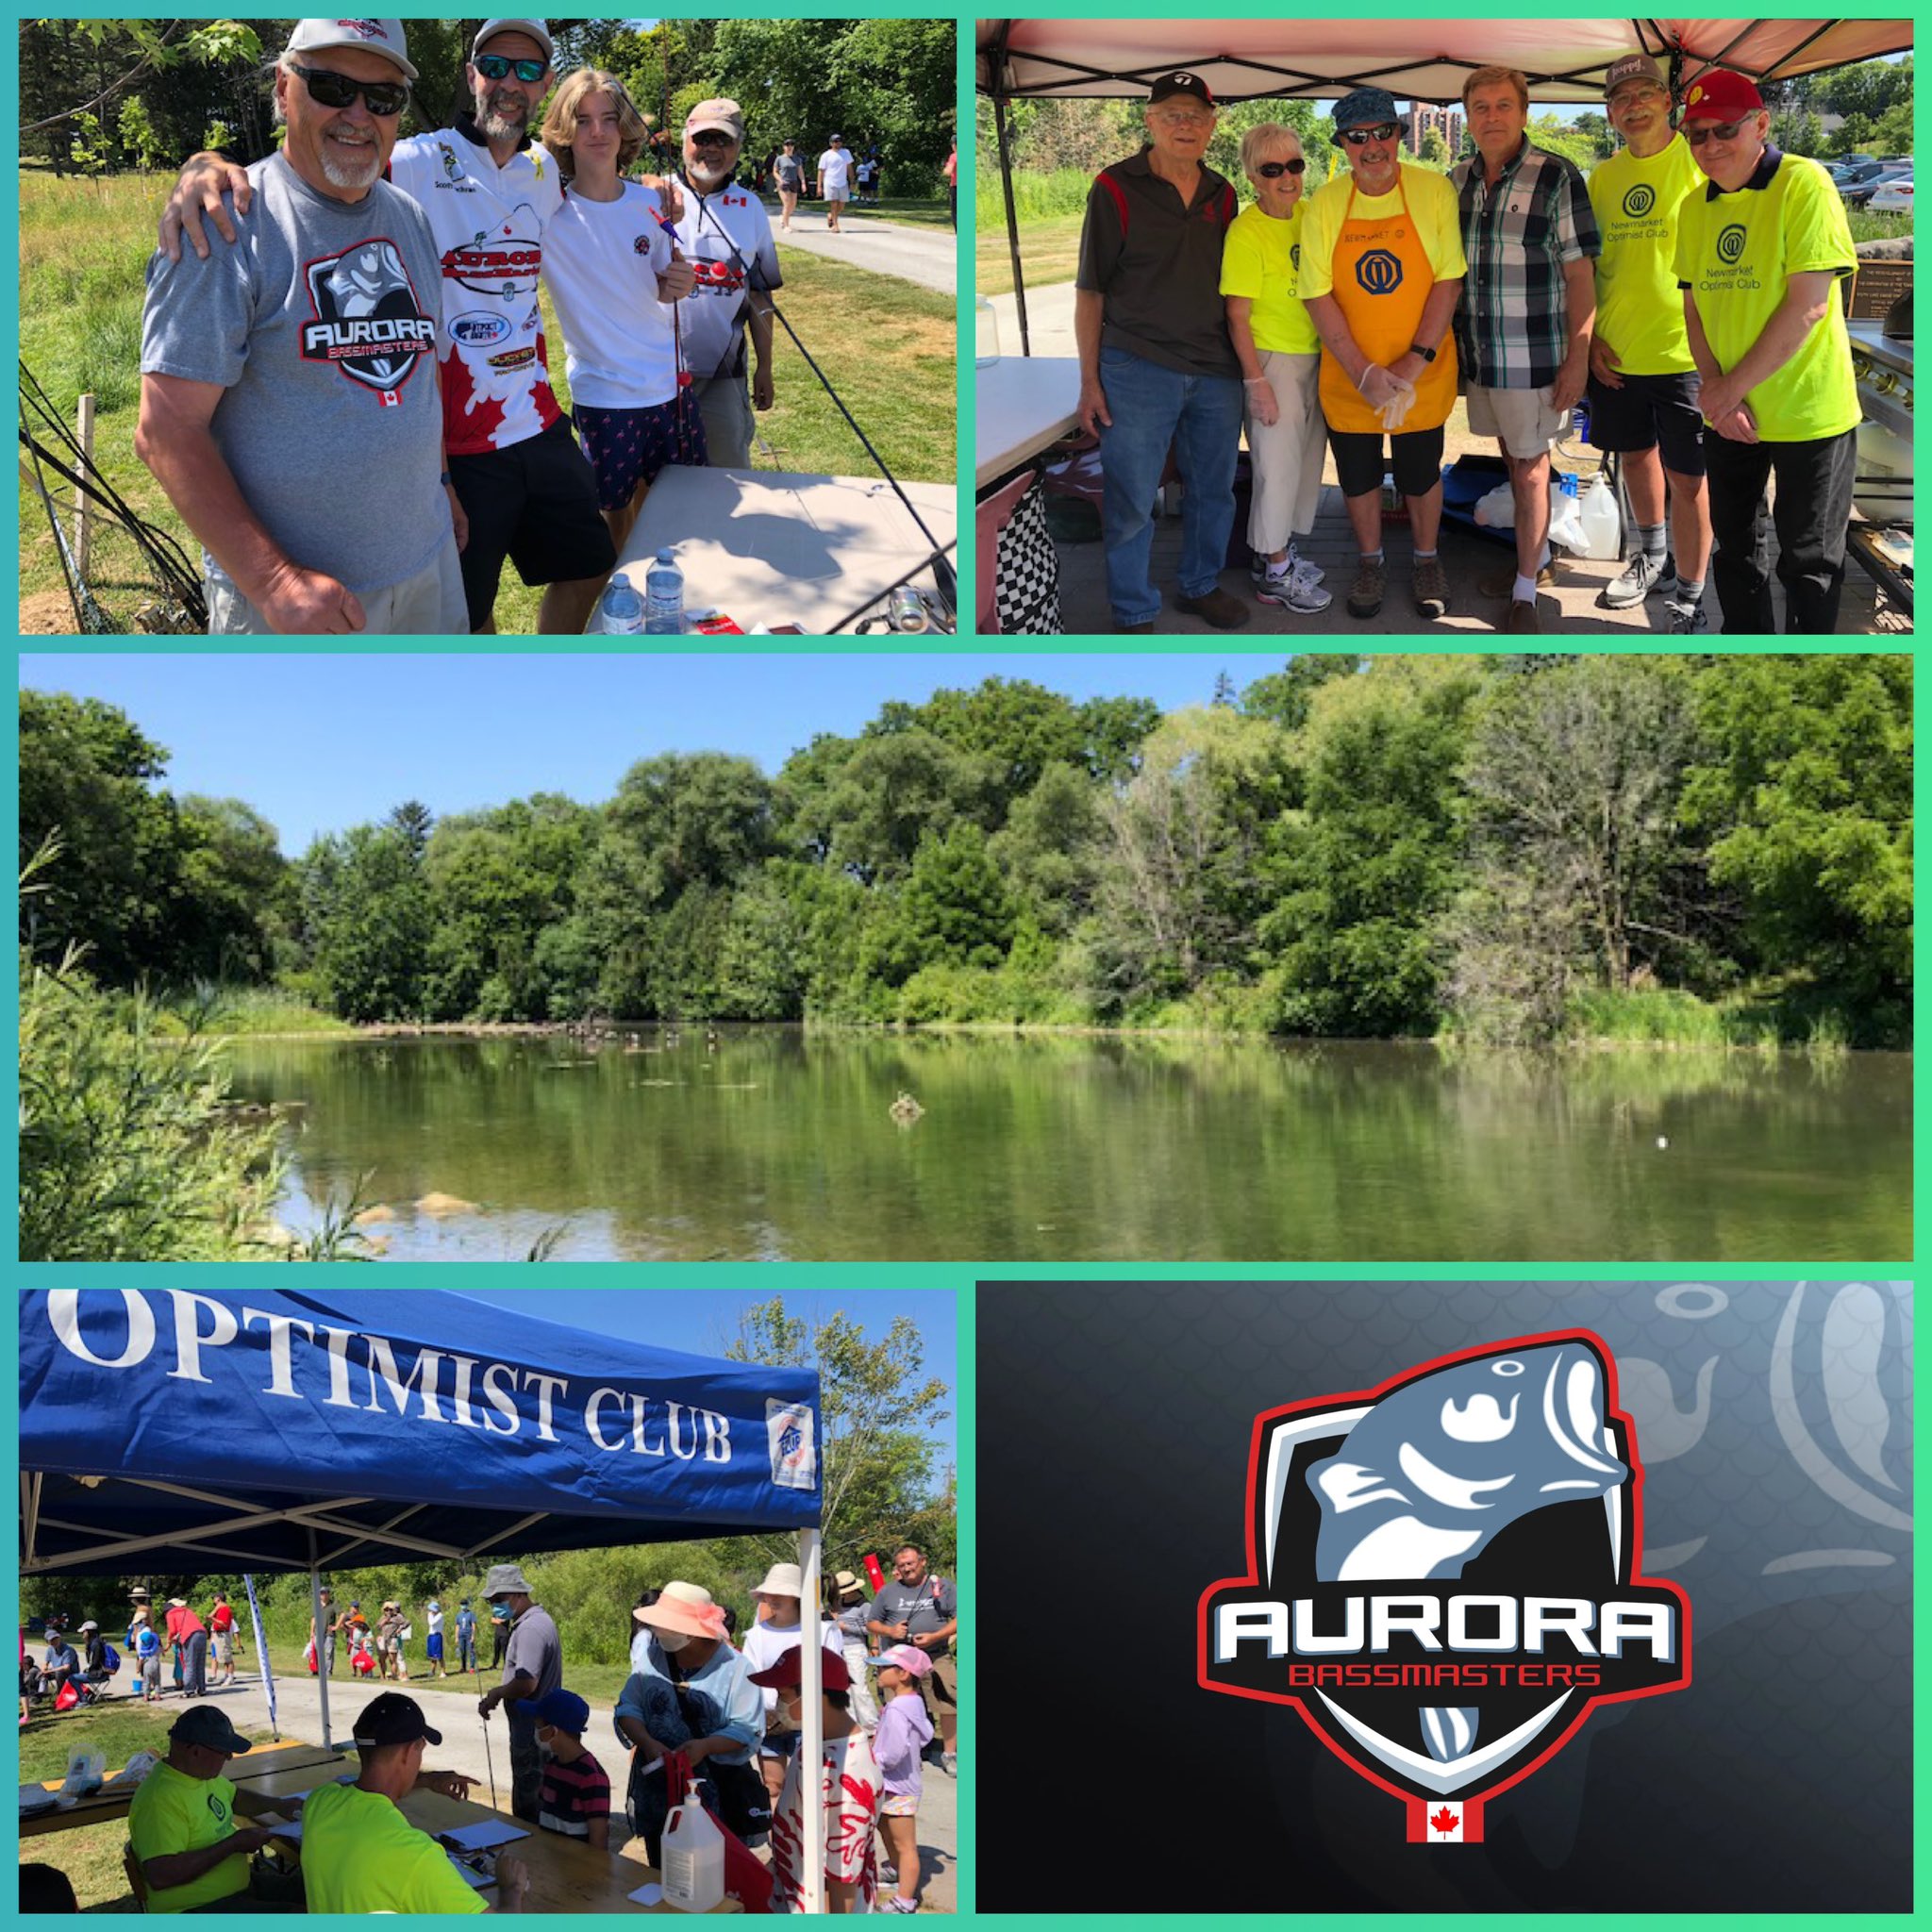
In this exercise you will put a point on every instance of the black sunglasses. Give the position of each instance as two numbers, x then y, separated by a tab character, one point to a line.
714	137
384	97
1357	136
1724	130
1274	171
494	66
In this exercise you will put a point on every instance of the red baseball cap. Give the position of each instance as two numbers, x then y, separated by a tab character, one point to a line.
1717	95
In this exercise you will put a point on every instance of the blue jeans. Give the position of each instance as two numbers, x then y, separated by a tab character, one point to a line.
1201	416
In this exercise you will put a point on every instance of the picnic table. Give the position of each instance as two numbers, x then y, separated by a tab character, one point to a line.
294	1759
565	1875
778	546
1023	404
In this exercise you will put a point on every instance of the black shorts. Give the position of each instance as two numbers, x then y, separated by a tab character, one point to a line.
1657	412
1415	457
535	503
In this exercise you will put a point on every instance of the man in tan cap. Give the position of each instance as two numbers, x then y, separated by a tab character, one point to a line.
725	235
532	1668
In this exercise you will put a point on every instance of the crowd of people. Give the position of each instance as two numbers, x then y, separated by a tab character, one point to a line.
376	298
1689	291
702	1710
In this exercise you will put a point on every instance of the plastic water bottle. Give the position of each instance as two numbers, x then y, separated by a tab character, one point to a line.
693	1853
664	599
986	333
620	609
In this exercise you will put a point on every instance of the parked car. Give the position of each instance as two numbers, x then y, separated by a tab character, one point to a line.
1892	197
1850	173
1859	194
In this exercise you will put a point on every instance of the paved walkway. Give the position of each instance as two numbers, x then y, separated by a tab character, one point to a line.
929	256
453	1712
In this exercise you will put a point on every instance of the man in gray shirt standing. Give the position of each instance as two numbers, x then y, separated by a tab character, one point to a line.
289	399
532	1668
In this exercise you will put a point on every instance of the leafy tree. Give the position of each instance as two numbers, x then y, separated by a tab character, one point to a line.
368	919
763	961
88	783
1435	150
1017	726
953	907
1283	696
139	140
412	822
1374	854
1049	849
1574	777
893	789
875	1406
233	886
1114	730
1805	792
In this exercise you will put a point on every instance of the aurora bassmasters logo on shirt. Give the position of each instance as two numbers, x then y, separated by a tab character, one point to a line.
1444	1573
368	322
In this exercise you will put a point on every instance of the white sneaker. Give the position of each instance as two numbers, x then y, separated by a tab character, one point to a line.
1289	589
1258	567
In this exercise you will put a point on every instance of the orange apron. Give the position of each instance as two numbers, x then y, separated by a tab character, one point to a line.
1382	279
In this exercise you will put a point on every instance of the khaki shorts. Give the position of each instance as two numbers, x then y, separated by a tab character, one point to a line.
1520	419
431	604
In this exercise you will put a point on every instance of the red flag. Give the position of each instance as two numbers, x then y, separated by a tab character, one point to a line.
877	1575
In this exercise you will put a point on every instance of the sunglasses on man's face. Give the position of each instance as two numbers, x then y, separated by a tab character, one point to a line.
384	97
711	137
1721	130
494	66
1274	171
1358	137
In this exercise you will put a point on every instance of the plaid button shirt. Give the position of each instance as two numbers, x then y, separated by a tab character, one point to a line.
1511	325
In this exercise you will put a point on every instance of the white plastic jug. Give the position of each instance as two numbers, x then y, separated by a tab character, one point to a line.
1603	530
693	1858
986	333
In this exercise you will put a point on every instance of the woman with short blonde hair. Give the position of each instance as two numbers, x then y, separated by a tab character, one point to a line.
1279	351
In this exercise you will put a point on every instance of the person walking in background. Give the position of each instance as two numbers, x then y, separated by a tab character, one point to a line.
835	180
951	172
466	1638
788	170
189	1635
432	1643
904	1733
851	1620
144	1640
221	1634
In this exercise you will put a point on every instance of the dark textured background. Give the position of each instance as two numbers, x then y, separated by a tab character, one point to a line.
1113	1429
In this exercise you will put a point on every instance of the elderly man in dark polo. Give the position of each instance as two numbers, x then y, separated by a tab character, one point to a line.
1157	367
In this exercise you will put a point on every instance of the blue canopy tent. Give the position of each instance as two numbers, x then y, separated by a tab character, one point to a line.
176	1429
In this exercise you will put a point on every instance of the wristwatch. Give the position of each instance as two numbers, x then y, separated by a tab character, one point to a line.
1417	349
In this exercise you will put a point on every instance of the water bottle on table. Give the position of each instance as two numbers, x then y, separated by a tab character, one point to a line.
620	609
664	599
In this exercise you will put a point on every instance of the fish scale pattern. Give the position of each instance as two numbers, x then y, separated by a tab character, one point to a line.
1773	1424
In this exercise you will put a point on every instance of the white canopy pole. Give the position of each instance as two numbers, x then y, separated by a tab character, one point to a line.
328	1743
812	1746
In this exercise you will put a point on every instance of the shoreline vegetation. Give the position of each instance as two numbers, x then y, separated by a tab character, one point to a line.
1705	856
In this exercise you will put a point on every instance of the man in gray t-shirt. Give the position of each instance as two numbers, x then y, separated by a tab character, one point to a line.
532	1668
922	1609
288	398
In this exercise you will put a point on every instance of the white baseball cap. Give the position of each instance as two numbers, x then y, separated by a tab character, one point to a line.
535	28
384	37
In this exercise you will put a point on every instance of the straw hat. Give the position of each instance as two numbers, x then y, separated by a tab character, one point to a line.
686	1610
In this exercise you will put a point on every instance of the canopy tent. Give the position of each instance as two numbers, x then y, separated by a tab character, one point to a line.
1415	60
166	1429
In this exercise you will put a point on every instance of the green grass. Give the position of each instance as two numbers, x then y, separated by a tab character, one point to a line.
887	345
234	1011
1049	252
91	1854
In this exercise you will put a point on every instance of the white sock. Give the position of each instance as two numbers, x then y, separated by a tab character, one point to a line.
1424	556
1371	557
1524	591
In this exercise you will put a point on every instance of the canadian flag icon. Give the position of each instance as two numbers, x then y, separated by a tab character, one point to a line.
1444	1822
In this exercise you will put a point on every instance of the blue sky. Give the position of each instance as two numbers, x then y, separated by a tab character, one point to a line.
705	1322
318	744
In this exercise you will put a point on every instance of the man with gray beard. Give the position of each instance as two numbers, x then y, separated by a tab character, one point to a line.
318	333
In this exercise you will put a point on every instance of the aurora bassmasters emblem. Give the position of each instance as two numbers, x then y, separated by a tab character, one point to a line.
1444	1573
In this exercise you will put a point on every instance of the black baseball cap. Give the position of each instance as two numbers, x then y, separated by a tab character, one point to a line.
1181	82
393	1719
204	1724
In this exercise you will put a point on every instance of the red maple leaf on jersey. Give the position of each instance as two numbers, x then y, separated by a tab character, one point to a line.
1444	1820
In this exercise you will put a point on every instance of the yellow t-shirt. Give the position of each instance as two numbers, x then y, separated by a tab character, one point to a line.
359	1854
1431	199
1640	309
1261	259
172	1812
1737	254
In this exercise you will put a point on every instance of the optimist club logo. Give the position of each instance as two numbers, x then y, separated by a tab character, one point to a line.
1730	242
1380	272
1639	201
1444	1573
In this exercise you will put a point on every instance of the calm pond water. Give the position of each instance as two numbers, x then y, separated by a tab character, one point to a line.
778	1144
